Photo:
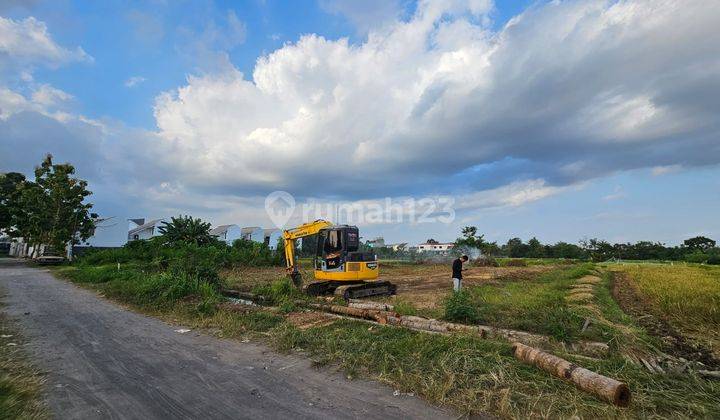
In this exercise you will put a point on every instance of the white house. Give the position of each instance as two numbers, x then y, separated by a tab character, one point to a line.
253	233
272	236
227	233
435	247
139	229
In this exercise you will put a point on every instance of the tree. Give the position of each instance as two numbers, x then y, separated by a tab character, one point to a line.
431	241
10	184
186	229
470	240
535	248
699	243
52	209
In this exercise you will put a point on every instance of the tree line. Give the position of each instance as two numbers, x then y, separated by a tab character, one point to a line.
49	210
698	249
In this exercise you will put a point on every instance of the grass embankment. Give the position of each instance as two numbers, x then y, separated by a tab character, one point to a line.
20	382
687	296
463	372
541	305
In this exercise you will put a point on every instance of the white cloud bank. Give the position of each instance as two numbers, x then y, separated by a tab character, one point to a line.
597	86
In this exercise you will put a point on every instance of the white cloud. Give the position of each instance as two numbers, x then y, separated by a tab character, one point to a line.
27	42
576	89
134	81
617	194
663	170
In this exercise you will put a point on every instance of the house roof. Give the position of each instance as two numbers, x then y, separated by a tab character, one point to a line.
439	243
250	229
144	226
219	230
268	232
138	222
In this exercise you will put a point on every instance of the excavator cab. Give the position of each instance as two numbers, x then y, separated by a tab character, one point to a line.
338	256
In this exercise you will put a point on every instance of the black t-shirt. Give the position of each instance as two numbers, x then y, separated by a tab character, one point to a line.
457	269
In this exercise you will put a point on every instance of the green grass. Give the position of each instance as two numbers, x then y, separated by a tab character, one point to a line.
474	375
20	381
465	373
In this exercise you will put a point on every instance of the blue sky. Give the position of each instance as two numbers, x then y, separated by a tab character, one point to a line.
560	120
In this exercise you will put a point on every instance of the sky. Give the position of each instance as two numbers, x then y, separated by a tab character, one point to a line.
560	120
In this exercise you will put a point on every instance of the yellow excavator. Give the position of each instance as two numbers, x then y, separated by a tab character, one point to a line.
340	267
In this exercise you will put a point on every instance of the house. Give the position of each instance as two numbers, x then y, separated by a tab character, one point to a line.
378	242
139	229
397	247
272	237
435	247
227	233
253	233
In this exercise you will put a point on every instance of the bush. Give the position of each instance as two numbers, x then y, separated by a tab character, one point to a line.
459	307
696	257
405	308
485	261
201	262
516	263
280	292
714	259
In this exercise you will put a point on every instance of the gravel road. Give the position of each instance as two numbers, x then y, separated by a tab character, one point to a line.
103	361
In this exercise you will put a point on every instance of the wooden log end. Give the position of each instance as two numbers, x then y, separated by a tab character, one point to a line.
622	396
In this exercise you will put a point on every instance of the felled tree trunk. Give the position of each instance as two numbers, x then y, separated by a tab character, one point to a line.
608	389
354	303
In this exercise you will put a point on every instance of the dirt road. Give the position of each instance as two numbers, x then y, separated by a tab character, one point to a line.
106	362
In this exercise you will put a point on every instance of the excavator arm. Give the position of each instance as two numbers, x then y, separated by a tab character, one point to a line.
291	236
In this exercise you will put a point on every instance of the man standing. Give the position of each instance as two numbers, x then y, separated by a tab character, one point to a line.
457	272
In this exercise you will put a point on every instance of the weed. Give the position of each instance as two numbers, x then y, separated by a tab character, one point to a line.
20	382
460	307
404	307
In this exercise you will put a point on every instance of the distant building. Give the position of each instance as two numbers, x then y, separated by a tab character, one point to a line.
227	233
139	229
397	247
378	242
435	247
271	237
253	233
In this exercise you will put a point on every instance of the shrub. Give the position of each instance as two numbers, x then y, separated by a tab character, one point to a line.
516	263
459	307
485	261
696	257
714	259
404	308
202	262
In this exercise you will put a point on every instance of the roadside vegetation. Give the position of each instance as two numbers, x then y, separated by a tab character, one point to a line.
180	281
20	382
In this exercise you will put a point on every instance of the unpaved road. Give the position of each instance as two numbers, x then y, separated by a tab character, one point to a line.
103	361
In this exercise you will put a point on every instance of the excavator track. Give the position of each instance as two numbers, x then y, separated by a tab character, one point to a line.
362	290
351	291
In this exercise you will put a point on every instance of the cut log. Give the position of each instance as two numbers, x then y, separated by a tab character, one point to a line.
354	303
607	389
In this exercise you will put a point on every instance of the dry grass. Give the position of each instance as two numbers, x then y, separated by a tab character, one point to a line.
20	381
687	296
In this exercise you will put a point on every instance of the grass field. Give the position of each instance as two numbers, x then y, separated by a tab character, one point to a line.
687	296
20	382
466	373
